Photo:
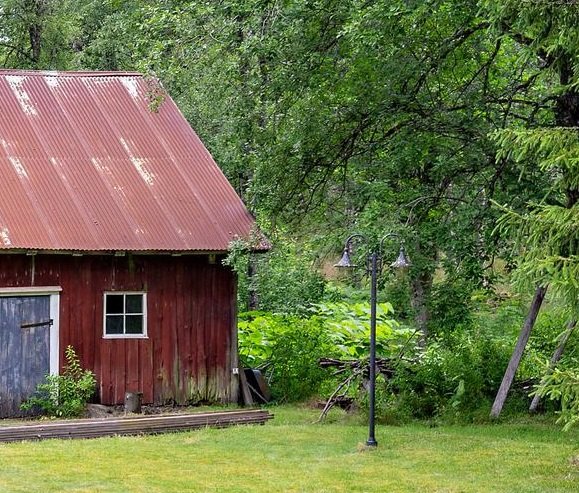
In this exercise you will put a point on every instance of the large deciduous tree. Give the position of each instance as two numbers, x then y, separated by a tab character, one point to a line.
353	114
37	34
334	115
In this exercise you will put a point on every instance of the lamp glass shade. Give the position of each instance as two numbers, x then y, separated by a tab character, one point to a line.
345	261
402	261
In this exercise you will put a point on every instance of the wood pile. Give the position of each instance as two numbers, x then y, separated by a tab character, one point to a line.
131	425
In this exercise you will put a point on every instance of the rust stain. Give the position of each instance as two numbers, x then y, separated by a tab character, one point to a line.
85	165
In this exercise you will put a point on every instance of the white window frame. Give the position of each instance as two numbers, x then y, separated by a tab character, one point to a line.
143	335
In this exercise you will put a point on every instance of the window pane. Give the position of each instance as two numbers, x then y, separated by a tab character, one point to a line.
134	324
114	303
134	303
114	324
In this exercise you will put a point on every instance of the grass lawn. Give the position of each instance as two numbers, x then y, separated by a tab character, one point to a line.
291	454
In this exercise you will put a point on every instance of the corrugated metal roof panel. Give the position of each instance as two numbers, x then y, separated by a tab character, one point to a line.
86	164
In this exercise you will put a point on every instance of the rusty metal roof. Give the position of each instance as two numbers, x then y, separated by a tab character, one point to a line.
94	161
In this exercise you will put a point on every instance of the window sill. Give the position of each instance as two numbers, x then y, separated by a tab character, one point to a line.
125	336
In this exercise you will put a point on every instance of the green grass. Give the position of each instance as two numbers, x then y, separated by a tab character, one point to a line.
291	454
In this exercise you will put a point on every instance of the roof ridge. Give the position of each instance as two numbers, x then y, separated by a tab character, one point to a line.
68	73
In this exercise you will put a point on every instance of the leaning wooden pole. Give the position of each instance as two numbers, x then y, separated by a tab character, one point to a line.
554	360
511	370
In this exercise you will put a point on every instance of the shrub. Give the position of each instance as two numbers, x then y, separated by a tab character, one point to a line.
450	306
64	395
286	281
295	371
450	379
550	326
348	326
287	349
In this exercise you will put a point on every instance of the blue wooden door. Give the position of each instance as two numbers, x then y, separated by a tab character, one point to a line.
24	349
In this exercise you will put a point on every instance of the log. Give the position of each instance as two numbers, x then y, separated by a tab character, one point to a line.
524	335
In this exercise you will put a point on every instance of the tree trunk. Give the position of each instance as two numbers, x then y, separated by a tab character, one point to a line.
518	351
567	115
253	297
37	10
554	360
420	288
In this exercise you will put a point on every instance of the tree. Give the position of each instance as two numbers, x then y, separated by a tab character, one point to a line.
547	232
330	115
370	115
37	34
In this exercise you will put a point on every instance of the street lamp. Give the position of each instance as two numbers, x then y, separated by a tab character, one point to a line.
374	263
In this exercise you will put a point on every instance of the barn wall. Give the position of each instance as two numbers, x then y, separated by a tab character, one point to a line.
188	354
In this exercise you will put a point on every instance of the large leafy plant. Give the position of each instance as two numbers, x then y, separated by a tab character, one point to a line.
348	326
288	348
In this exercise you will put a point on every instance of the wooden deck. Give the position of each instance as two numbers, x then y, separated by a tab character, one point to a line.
130	425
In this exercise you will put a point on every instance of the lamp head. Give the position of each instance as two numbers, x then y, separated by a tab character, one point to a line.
402	261
345	262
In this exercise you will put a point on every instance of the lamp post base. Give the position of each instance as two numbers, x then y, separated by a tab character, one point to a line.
371	442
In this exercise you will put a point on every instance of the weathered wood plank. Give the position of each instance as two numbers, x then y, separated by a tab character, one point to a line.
141	425
24	352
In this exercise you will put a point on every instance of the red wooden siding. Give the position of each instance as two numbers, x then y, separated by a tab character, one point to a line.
190	349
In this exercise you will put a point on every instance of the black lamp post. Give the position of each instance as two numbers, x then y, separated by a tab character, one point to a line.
373	265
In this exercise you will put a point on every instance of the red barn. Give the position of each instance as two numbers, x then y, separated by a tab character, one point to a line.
114	221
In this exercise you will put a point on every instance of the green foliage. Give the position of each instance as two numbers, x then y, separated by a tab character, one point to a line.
563	386
457	375
256	332
547	233
39	34
348	326
284	280
295	353
551	325
451	306
455	378
287	348
64	395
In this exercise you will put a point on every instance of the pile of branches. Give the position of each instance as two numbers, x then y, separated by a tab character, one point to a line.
357	370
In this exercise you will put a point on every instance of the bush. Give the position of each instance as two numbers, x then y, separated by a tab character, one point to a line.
550	326
286	281
450	379
455	378
451	307
64	395
287	349
295	371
